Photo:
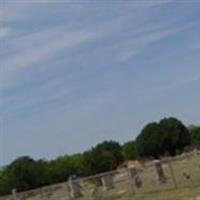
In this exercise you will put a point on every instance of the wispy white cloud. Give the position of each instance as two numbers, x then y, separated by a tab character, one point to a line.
27	49
43	51
42	46
50	91
140	43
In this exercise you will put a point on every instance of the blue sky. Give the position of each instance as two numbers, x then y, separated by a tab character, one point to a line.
75	73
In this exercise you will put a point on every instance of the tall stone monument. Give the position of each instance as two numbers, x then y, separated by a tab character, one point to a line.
160	176
14	194
74	187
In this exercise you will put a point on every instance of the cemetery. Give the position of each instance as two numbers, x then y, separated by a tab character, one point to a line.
175	178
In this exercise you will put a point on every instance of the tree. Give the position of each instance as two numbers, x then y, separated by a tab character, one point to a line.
104	157
195	135
25	173
5	182
64	166
175	136
21	173
129	150
167	136
148	142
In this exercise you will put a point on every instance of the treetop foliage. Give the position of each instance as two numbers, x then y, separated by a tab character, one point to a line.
166	137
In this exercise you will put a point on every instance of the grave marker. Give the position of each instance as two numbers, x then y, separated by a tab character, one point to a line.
14	194
74	187
160	176
107	182
134	176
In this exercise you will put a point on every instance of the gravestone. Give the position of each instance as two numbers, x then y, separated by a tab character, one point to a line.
160	176
14	194
134	176
107	182
74	187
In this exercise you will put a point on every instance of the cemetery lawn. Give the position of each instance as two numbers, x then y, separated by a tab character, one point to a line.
187	189
178	194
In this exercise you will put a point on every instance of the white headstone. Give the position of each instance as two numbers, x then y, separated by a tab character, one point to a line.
14	194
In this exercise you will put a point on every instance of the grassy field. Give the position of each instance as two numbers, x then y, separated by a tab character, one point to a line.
178	194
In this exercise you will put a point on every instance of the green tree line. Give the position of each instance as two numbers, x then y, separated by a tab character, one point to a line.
167	137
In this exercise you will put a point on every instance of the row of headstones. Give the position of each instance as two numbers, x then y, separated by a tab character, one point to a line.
75	191
108	184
